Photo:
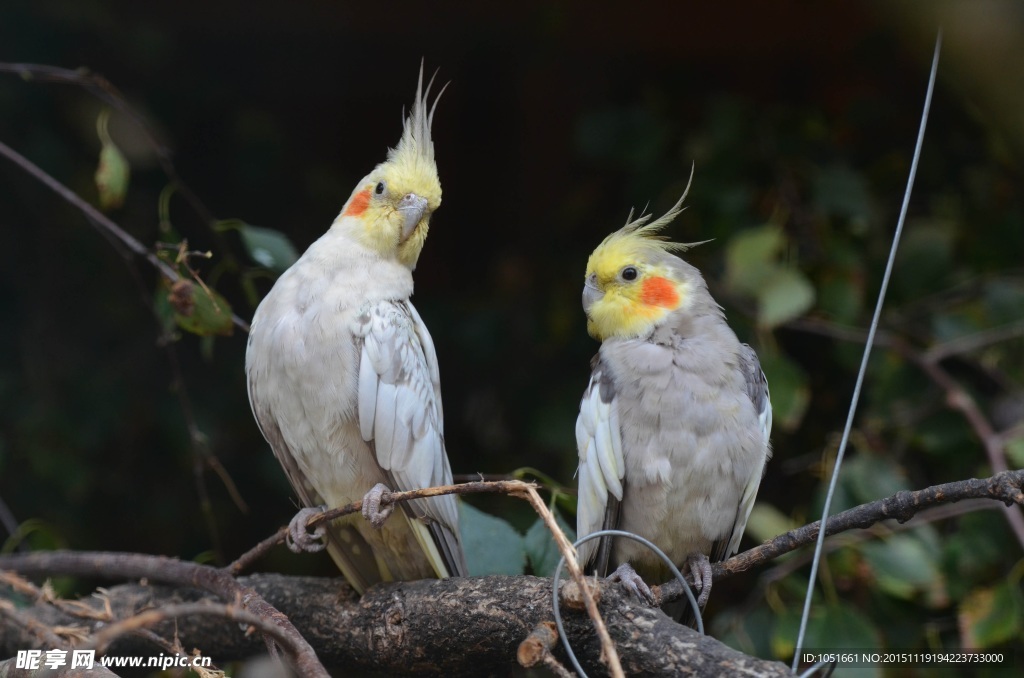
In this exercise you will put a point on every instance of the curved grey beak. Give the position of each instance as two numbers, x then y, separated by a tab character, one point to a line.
412	207
591	293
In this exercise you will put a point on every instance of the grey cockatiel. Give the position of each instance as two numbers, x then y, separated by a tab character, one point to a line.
674	425
343	377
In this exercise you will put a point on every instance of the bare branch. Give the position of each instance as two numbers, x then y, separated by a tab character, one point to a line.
467	626
515	488
105	91
100	221
957	398
171	571
1005	487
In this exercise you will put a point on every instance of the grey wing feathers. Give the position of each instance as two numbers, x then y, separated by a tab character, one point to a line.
399	407
602	466
757	390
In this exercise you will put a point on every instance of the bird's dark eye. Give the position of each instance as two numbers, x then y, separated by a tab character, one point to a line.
629	274
380	188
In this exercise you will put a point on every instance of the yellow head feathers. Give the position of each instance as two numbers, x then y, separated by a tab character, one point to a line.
411	164
393	204
632	279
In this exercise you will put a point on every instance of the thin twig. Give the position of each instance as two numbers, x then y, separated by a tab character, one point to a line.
515	488
609	655
972	342
46	595
100	221
26	622
111	632
961	401
957	398
171	571
244	561
106	92
880	530
872	330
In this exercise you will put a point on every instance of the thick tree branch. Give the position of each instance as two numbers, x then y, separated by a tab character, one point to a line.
451	627
171	571
442	627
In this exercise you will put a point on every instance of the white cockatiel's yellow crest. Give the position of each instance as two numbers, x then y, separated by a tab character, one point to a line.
344	381
389	210
631	284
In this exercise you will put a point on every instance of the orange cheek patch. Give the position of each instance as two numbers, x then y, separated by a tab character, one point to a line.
359	203
659	292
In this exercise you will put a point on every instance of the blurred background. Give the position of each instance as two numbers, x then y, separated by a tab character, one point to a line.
121	431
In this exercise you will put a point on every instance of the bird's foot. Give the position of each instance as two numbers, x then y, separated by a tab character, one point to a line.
700	569
628	579
377	505
300	538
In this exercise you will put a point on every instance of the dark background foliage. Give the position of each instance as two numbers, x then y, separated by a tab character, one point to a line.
559	117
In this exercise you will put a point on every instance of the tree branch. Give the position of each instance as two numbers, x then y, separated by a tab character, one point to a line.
105	91
515	488
453	627
956	397
1005	487
100	221
171	571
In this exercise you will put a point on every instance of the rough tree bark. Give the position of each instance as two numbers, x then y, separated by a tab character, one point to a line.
452	627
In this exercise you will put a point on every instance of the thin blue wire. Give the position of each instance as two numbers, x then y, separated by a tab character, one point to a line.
614	533
867	354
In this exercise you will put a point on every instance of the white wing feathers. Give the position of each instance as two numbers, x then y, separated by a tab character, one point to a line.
602	466
400	413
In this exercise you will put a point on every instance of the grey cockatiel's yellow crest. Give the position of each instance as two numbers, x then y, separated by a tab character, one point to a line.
343	378
673	431
633	281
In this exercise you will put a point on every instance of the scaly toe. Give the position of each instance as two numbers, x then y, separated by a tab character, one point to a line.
299	538
627	577
700	568
377	505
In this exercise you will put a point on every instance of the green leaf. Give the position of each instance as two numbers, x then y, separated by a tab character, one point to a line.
492	545
1004	299
540	546
871	476
925	254
789	391
113	170
747	630
269	248
840	298
783	295
197	310
990	616
975	551
1015	451
766	522
750	257
831	628
903	565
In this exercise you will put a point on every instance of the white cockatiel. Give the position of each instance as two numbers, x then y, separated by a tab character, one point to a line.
673	428
343	377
